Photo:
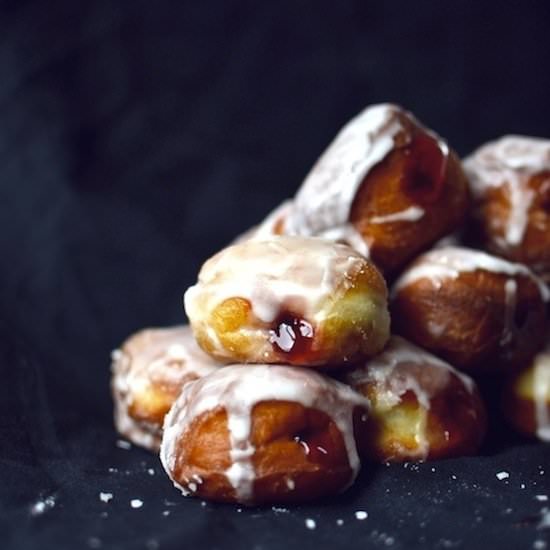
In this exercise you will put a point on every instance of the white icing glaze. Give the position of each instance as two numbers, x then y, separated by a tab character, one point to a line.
392	370
237	389
541	394
404	367
510	161
347	234
325	198
411	214
449	262
167	357
274	273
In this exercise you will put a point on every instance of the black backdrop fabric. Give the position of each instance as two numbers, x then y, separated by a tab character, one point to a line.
136	139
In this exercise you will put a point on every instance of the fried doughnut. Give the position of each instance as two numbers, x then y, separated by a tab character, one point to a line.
290	300
479	312
386	185
421	407
263	434
148	373
526	398
510	181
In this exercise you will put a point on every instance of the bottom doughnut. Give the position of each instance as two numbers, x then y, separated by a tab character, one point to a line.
149	370
263	434
526	398
421	407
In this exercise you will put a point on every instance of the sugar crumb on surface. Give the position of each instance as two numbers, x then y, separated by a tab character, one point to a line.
280	510
40	506
502	475
105	497
310	523
136	503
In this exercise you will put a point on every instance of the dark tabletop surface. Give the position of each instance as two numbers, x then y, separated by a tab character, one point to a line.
136	139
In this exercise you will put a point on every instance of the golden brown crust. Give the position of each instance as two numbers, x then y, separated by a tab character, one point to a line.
337	315
288	463
149	371
519	410
417	173
493	209
463	319
453	426
526	398
421	407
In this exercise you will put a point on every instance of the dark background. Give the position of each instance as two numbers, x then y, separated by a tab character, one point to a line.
137	138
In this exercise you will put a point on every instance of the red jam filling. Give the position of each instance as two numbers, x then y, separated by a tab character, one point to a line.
292	337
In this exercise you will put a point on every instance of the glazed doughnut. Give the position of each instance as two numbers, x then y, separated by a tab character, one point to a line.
386	185
290	300
510	181
148	372
526	398
263	434
479	312
421	407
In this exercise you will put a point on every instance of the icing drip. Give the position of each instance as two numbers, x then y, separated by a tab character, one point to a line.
167	357
325	198
509	162
404	367
449	262
541	393
411	214
237	389
324	201
396	370
293	273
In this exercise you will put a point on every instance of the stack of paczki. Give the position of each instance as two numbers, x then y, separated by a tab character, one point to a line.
290	375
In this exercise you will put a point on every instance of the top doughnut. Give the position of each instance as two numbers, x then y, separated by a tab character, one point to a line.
510	181
386	185
293	300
